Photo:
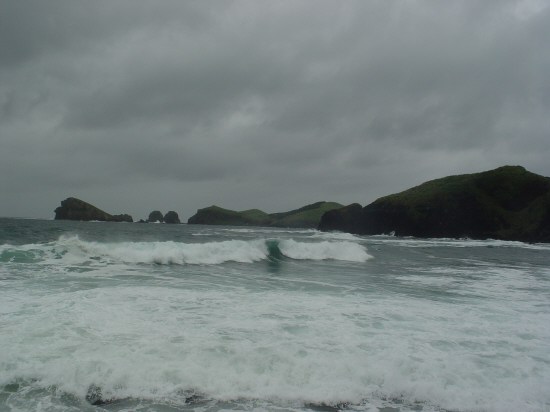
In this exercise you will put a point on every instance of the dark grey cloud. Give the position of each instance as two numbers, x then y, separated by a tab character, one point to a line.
177	105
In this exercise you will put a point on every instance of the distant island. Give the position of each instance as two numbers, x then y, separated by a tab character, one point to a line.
508	203
305	217
156	216
76	209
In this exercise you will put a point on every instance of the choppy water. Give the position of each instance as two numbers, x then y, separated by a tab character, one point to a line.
195	318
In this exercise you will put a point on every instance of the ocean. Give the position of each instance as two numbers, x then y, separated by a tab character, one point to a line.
151	317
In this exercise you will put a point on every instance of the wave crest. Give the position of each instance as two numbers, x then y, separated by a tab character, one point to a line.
348	251
73	250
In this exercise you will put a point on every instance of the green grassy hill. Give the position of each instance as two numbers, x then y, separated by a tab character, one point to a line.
215	215
306	217
506	203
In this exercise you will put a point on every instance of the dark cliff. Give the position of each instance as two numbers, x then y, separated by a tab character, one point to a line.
508	203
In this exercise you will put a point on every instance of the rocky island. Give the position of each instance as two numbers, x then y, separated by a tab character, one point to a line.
305	217
171	217
76	209
508	203
156	217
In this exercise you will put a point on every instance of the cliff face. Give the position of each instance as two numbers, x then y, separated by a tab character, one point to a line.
346	219
507	203
304	217
76	209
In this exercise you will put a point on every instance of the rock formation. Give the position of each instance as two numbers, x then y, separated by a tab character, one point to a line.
76	209
155	216
507	203
171	217
122	218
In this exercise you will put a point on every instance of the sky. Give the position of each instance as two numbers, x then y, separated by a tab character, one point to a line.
136	105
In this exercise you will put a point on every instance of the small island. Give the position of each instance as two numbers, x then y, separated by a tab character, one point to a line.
76	209
508	203
156	216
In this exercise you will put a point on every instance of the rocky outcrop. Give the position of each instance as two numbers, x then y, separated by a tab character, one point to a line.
171	217
345	219
122	218
304	217
76	209
507	203
155	216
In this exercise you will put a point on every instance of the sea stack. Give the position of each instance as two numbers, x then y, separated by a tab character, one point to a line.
171	217
155	216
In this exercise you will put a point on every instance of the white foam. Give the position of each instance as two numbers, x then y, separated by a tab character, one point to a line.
470	335
270	231
155	342
349	251
170	252
73	250
459	243
336	236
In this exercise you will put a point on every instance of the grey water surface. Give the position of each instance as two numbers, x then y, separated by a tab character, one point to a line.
152	317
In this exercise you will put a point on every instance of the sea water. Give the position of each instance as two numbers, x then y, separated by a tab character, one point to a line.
139	317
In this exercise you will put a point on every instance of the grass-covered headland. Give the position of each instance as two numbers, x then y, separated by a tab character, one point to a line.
508	203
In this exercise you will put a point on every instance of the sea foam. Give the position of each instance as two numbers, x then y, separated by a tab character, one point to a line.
72	249
168	342
440	328
349	251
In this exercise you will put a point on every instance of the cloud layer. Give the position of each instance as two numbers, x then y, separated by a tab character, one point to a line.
140	105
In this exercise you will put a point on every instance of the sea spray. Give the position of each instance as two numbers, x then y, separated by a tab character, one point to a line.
343	250
75	250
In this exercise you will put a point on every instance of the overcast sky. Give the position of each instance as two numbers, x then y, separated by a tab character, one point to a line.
177	105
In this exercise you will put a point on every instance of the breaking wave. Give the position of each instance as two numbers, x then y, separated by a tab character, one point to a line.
72	249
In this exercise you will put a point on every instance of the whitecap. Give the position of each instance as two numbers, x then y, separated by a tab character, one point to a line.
349	251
